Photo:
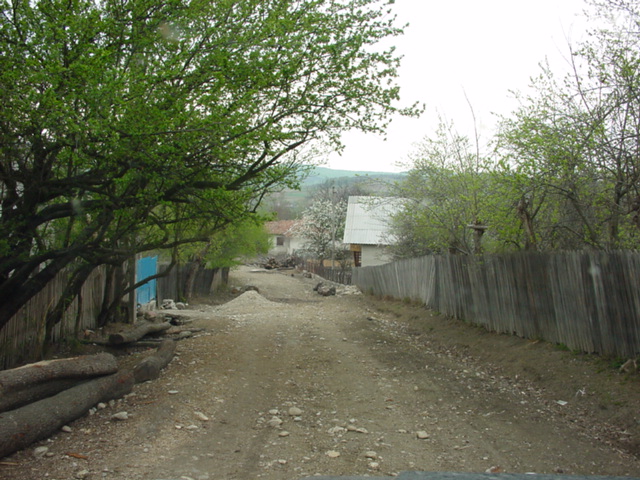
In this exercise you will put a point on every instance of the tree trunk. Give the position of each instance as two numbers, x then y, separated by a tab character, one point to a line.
17	292
112	306
33	393
195	266
137	332
76	367
21	427
150	367
71	291
107	298
530	241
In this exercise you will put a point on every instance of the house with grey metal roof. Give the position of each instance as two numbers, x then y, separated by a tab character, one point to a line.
367	229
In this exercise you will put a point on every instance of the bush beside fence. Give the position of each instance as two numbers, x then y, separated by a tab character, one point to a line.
588	301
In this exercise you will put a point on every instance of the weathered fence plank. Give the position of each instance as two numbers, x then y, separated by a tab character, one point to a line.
21	339
589	301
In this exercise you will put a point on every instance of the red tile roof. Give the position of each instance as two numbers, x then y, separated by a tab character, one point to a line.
280	227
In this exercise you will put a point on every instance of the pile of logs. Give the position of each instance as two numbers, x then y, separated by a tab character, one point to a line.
272	263
38	399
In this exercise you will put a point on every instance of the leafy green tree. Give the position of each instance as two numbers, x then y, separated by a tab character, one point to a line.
544	175
134	126
225	249
445	197
573	147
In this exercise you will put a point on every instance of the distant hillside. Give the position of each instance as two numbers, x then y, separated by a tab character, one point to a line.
289	204
322	174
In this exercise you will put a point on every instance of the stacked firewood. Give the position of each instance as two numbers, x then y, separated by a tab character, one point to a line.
38	399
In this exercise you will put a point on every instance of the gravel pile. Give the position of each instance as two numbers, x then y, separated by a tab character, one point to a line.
249	302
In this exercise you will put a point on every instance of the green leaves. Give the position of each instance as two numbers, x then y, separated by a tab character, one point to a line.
168	121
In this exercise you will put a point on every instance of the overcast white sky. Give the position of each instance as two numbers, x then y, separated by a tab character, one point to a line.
481	48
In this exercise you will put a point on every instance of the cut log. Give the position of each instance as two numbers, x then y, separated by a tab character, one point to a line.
138	332
150	367
77	367
38	420
33	393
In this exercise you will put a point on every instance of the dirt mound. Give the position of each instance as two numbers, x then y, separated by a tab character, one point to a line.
249	302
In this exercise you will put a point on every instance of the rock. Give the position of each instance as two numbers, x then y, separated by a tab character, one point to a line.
333	454
120	416
168	304
371	454
201	416
374	465
247	288
181	306
422	435
40	452
82	474
66	429
101	406
294	412
353	428
275	422
283	434
327	291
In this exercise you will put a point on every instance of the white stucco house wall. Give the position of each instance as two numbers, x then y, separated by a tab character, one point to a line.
283	240
367	229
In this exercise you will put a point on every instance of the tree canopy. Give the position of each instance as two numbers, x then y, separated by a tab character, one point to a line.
564	168
132	126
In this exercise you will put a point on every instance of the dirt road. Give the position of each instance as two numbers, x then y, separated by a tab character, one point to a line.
286	384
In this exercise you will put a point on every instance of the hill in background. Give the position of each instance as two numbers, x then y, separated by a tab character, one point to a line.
322	174
289	204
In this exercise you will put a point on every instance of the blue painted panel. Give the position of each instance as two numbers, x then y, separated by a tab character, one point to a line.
146	267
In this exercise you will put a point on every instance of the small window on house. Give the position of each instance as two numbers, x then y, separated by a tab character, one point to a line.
279	241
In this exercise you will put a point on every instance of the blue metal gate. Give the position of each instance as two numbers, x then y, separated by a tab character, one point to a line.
146	267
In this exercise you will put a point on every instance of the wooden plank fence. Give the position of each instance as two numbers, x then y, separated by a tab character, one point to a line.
172	285
335	274
21	339
588	301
